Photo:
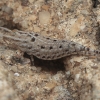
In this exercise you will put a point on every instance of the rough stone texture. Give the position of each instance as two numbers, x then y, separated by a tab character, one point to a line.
7	92
75	20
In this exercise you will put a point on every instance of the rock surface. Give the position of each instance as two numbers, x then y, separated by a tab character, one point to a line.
76	77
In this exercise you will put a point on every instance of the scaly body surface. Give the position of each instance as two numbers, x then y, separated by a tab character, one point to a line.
43	47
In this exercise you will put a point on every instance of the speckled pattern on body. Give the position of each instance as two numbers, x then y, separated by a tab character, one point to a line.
43	47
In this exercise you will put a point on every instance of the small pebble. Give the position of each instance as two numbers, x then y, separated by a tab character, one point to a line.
44	17
7	9
16	74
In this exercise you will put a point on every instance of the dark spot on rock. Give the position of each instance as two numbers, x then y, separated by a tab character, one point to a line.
22	32
36	35
51	47
54	40
83	48
66	50
25	41
63	41
60	46
29	35
47	38
42	47
73	44
33	39
30	47
88	49
97	52
43	56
